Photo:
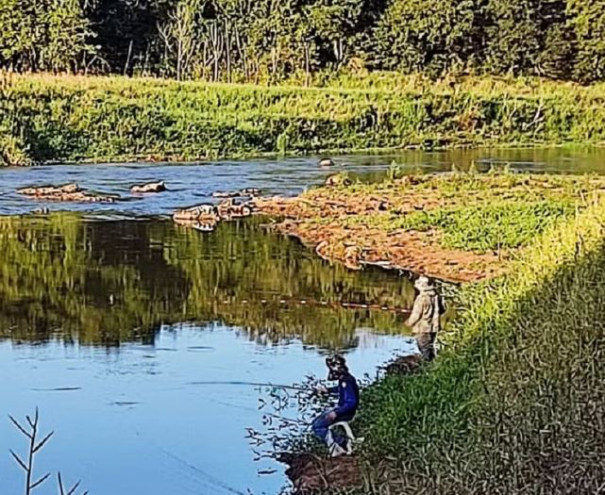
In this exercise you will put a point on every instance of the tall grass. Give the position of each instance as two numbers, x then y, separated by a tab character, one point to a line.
46	118
515	404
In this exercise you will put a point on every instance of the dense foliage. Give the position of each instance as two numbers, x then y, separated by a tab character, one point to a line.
273	39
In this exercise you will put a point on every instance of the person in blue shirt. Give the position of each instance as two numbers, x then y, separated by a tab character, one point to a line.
348	400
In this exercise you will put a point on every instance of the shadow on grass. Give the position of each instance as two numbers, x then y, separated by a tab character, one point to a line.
518	407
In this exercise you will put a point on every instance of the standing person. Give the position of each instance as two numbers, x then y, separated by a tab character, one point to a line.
348	400
425	318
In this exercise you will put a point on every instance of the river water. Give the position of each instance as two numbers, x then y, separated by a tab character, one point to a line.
140	341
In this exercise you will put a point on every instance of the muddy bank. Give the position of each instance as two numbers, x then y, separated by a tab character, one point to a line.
359	224
320	220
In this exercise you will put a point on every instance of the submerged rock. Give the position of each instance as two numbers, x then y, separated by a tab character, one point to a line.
242	193
149	187
338	180
203	225
68	192
229	209
203	212
326	162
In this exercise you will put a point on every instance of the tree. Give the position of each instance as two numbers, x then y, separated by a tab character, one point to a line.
587	19
524	36
180	34
415	35
43	34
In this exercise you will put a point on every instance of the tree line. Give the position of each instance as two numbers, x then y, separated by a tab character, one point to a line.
271	40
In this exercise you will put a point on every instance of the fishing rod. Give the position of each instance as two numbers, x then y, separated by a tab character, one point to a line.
249	384
264	413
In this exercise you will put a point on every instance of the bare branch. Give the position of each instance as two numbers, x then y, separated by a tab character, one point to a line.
19	427
60	483
19	461
40	481
73	489
44	440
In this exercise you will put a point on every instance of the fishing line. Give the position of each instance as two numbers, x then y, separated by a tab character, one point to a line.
209	478
250	409
249	384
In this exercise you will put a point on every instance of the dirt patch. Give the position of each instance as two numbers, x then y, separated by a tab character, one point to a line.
356	245
404	365
358	224
313	474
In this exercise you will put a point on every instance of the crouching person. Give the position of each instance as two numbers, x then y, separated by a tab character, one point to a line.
348	400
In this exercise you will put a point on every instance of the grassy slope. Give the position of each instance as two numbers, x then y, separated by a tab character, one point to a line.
516	404
45	118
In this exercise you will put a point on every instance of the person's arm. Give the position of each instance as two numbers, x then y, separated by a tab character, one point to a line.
350	402
332	390
416	313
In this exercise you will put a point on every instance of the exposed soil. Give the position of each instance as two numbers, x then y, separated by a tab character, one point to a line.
313	474
319	224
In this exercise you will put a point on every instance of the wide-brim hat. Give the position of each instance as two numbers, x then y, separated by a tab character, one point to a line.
423	283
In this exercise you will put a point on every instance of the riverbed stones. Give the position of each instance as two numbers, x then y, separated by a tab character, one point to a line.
338	180
249	192
149	187
229	209
68	193
326	162
203	212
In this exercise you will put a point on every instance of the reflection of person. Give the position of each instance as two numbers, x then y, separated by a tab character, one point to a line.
425	318
348	400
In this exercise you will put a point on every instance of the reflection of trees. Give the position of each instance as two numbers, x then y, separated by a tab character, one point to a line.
109	282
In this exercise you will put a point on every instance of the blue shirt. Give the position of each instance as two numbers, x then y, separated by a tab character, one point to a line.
348	397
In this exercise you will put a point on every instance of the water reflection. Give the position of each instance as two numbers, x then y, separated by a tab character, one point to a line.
110	282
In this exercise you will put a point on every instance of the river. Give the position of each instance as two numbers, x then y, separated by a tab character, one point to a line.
140	341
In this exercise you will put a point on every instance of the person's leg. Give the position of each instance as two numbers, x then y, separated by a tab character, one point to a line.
426	343
321	428
339	434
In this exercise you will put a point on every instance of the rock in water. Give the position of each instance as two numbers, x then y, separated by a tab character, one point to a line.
196	213
229	209
338	180
149	187
326	162
68	192
249	192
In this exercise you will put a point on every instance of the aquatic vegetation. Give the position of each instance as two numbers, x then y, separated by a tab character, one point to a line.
46	118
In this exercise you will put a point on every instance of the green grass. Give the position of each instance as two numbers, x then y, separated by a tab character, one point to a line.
486	227
46	118
515	403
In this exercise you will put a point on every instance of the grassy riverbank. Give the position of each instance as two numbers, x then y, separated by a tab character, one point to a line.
64	118
515	404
